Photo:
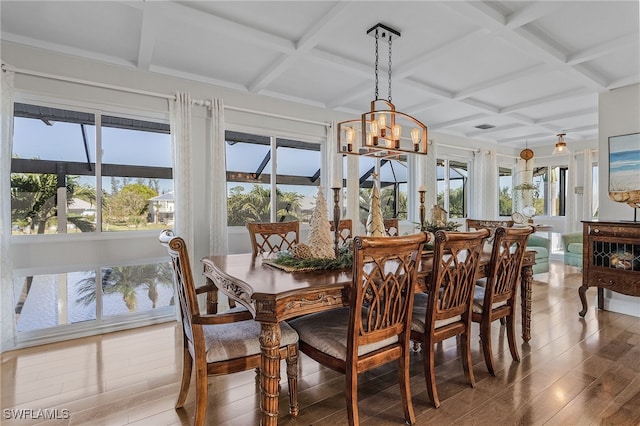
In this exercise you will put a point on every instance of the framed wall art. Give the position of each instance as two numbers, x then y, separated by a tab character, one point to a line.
624	169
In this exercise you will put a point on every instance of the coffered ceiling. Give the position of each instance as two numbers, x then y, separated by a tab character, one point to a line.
530	69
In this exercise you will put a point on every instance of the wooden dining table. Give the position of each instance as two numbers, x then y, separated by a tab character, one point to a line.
273	295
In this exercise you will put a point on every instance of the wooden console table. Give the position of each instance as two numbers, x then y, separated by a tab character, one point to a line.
611	259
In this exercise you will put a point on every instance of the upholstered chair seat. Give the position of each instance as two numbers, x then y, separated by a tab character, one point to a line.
478	300
223	342
328	332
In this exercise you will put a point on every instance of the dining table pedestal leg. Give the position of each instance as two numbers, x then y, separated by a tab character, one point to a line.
526	281
269	372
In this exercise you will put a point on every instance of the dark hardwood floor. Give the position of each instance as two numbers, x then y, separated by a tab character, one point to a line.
574	371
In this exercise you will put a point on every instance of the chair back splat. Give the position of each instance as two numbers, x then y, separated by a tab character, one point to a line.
272	237
391	227
345	230
374	329
219	343
445	309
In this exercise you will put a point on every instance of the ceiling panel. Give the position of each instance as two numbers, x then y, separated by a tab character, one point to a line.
531	68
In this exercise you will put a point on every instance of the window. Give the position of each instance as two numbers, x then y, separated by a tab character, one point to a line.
60	185
52	300
55	172
393	187
552	194
249	178
452	187
505	191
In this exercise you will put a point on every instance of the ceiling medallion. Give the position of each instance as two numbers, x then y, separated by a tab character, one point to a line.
382	132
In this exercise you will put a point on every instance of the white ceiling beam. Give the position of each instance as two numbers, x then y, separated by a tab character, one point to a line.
624	81
148	35
360	91
544	100
530	137
320	29
423	87
530	13
505	78
485	15
409	68
67	50
224	27
340	62
481	105
571	114
273	71
296	99
462	120
307	42
603	49
196	77
423	106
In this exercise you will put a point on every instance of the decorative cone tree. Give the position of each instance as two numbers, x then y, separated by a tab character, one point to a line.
320	238
375	222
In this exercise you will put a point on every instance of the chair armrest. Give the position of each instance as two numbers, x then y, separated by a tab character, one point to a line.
222	318
209	287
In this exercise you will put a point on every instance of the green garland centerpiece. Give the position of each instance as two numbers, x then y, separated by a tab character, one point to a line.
448	226
288	260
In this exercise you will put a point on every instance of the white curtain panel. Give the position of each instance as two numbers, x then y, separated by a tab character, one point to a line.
7	330
333	179
571	220
490	159
587	179
524	173
430	167
218	243
180	111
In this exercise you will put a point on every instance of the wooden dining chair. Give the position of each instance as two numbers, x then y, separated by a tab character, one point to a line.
374	328
345	230
219	343
391	227
444	310
495	295
272	237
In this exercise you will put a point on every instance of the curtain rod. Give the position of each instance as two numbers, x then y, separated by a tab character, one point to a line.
200	102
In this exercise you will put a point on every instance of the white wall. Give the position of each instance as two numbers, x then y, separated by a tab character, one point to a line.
619	114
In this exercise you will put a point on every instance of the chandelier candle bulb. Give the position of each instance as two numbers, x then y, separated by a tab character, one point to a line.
382	123
350	136
397	132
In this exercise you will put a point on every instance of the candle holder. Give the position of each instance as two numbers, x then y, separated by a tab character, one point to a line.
336	219
421	192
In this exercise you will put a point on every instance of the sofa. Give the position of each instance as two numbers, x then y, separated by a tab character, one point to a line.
542	247
572	249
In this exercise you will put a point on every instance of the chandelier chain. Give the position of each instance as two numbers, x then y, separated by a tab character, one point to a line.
377	58
389	67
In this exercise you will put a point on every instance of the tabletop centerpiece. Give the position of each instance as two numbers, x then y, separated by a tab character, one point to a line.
320	250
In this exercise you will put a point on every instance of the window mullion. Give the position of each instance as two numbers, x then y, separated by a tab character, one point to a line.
273	180
98	169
